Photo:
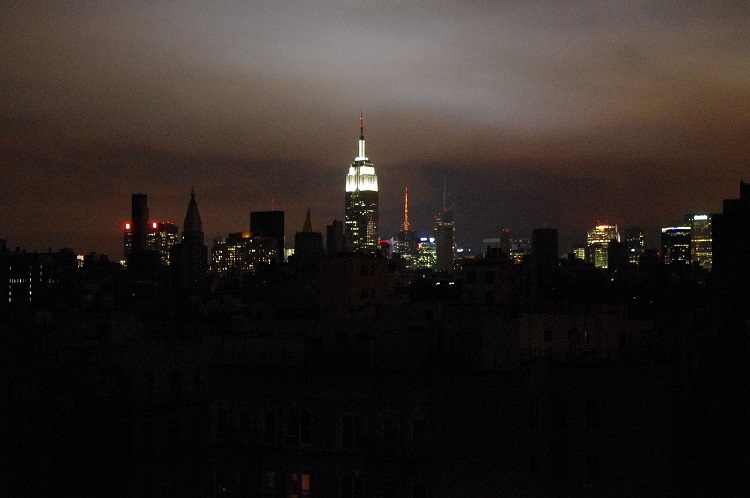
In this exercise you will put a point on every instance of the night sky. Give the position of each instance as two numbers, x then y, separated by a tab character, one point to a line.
536	114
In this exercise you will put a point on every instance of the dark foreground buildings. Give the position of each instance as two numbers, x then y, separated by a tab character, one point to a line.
506	379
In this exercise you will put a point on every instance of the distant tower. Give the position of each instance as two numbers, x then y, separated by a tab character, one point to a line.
544	246
139	223
269	224
308	244
406	238
635	243
361	201
675	245
189	260
444	237
598	241
335	241
701	239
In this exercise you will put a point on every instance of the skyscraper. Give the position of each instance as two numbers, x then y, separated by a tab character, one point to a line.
444	238
675	245
361	201
189	260
269	224
544	246
634	243
308	244
598	241
406	238
139	223
701	239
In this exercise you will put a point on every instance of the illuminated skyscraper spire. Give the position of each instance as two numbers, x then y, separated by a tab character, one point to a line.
406	209
361	156
361	203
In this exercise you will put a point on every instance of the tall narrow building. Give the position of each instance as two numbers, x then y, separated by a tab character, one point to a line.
189	260
406	238
361	202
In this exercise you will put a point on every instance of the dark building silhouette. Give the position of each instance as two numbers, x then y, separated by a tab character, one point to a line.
444	231
335	239
544	246
139	221
143	260
269	224
189	259
731	238
308	244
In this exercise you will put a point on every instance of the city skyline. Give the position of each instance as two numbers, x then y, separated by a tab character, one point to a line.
538	115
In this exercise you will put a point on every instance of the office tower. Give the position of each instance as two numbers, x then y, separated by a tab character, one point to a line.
444	239
406	238
189	259
269	224
675	245
361	201
635	243
143	262
598	242
139	222
701	240
127	240
161	237
544	246
497	248
335	241
308	244
581	251
519	248
426	257
239	254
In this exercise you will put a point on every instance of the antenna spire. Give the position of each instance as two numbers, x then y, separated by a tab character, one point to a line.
406	209
443	192
361	156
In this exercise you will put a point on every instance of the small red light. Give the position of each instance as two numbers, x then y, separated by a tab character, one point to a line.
153	225
127	226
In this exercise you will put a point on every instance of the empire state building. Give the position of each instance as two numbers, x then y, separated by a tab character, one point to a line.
362	201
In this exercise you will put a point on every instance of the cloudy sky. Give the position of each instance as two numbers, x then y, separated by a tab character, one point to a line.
535	114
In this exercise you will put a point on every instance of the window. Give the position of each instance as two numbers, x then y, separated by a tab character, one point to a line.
352	432
298	428
305	484
352	487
